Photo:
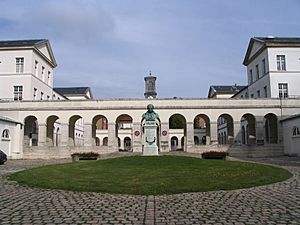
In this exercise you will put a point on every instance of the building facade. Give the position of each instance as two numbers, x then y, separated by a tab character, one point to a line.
71	121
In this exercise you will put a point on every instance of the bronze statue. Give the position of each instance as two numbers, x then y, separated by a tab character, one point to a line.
150	115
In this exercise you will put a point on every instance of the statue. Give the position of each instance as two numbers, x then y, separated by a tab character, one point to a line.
150	115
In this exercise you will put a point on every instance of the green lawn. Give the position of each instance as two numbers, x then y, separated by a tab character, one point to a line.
151	175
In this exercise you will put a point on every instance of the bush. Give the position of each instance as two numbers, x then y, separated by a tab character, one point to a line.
85	154
214	155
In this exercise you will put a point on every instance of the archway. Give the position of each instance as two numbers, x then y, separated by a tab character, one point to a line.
202	129
271	131
174	143
225	129
177	126
249	122
105	141
127	143
76	126
97	141
51	133
123	128
30	131
99	128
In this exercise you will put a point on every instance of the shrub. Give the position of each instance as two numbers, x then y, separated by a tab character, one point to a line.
85	154
214	155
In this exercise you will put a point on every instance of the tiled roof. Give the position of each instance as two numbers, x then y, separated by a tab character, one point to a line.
227	88
21	43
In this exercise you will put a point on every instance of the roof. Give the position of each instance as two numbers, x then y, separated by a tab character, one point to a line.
269	41
22	43
7	119
65	91
291	117
225	89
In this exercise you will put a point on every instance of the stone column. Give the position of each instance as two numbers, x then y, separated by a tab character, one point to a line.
64	137
87	135
237	139
213	133
42	135
259	132
137	137
164	137
189	136
112	139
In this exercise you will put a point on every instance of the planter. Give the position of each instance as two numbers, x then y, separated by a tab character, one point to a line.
85	156
214	155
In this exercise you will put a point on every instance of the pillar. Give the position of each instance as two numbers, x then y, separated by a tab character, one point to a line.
189	136
42	134
112	139
260	132
87	135
164	137
137	137
213	133
64	137
237	136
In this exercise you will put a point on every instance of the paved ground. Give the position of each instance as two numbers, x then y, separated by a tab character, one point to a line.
272	204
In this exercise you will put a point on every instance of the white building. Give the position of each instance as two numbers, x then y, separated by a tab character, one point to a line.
273	68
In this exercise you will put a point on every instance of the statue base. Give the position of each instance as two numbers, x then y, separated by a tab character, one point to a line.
150	139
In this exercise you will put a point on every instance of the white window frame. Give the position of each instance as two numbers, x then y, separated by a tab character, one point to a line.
34	93
283	90
5	134
18	93
36	67
296	131
20	65
281	62
257	71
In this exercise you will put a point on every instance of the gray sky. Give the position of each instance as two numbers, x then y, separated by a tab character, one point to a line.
110	45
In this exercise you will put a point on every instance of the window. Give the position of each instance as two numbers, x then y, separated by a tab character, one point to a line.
42	95
258	93
251	77
48	97
34	93
49	77
296	131
36	66
264	71
265	91
5	134
283	90
246	95
19	65
18	93
281	62
257	72
252	95
43	73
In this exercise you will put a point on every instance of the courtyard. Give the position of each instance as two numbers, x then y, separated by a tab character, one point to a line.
271	204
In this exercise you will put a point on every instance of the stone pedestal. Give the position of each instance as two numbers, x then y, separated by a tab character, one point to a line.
150	138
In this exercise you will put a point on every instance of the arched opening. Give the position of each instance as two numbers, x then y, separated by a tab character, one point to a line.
105	141
52	126
202	129
5	141
225	129
271	131
99	128
127	143
196	140
76	126
30	131
97	141
177	127
249	122
174	143
119	142
123	128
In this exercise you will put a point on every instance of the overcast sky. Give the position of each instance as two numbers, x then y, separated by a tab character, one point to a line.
110	45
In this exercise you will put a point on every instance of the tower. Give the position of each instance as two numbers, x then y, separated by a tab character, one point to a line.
150	87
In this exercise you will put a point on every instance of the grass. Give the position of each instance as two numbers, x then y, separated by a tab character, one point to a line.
151	175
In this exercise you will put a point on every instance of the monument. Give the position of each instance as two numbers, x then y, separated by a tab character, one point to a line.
150	131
